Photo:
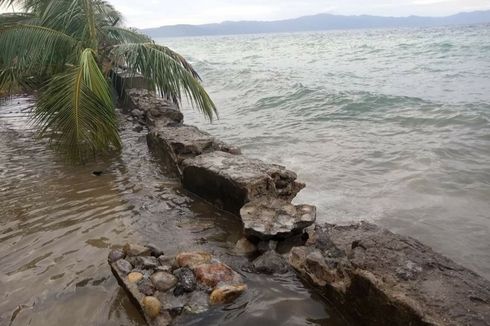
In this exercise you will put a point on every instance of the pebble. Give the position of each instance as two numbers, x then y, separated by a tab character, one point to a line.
163	281
124	266
134	277
115	255
151	306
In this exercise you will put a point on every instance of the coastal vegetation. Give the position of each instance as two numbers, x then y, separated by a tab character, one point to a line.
68	51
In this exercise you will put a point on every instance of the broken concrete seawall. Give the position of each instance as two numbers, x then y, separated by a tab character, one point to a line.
377	277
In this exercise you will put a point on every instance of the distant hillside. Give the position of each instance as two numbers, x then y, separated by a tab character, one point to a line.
316	23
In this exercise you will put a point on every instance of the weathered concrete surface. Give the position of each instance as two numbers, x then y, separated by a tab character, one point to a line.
154	111
273	218
162	288
173	144
382	278
230	181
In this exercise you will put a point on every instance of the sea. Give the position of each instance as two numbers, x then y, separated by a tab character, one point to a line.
389	126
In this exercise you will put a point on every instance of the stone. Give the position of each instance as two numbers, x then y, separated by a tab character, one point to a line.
226	293
163	281
154	250
244	247
146	287
389	279
123	266
136	250
273	218
151	306
172	144
115	255
270	263
192	259
134	277
230	181
146	262
210	275
187	279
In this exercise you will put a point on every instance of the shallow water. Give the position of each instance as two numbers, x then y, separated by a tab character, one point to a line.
389	126
58	223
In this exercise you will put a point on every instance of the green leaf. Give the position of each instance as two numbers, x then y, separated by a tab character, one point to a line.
75	110
170	73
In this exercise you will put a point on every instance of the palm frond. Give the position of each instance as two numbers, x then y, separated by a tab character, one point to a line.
35	47
170	76
118	35
76	111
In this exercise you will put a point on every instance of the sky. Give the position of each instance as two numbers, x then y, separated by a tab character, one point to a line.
155	13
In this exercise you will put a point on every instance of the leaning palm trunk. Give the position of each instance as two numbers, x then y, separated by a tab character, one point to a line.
68	49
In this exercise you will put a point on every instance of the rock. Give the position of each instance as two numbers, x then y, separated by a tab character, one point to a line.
146	287
154	250
151	306
136	250
192	259
163	281
273	218
230	181
174	143
164	319
245	247
115	255
146	262
226	293
123	266
210	275
158	111
388	279
134	277
187	279
270	263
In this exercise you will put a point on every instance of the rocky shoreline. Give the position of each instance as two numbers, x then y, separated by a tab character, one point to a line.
371	274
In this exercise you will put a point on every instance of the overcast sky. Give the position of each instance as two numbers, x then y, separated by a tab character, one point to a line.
154	13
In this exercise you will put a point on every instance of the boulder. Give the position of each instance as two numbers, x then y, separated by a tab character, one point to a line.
388	279
226	293
273	218
230	181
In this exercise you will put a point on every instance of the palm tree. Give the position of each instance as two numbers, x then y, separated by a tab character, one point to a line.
69	49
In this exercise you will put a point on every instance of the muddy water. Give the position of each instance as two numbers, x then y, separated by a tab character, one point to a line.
57	223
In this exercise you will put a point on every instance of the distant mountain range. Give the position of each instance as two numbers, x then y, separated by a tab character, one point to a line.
316	23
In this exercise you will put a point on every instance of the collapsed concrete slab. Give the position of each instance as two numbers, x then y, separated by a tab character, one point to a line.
230	181
173	144
277	219
154	111
382	278
163	288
